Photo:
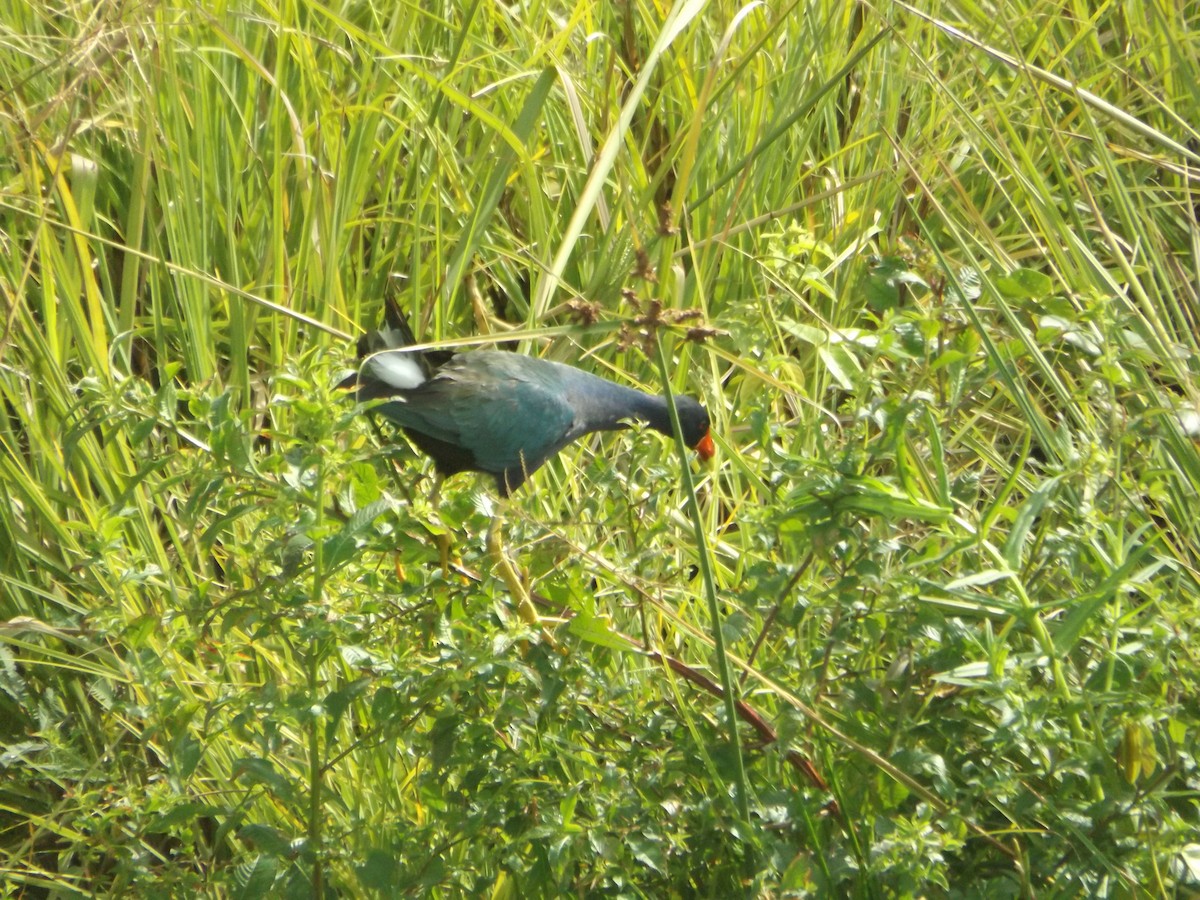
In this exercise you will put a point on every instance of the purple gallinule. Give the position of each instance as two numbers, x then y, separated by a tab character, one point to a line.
501	413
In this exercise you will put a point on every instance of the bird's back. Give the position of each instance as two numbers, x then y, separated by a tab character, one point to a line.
487	411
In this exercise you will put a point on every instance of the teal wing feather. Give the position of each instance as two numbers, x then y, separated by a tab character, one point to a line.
510	420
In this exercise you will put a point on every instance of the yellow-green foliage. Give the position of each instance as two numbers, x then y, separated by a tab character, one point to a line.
942	276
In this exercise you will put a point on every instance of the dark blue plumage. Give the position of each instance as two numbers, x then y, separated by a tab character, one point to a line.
502	413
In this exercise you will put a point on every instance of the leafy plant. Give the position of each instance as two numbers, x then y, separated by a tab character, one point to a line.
932	279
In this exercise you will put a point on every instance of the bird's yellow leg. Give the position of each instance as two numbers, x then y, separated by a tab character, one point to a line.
516	587
442	537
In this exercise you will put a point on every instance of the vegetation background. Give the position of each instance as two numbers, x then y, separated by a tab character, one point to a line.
944	262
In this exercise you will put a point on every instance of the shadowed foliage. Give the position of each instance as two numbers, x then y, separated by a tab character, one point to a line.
935	284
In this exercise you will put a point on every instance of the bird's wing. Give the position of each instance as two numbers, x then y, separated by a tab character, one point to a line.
507	422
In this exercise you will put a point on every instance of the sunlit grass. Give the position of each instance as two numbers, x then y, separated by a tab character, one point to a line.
949	270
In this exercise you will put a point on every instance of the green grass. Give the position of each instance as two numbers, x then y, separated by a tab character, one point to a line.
946	270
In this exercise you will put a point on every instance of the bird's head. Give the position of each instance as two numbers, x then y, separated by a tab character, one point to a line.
693	421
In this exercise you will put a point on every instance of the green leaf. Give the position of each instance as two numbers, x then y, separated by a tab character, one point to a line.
841	365
261	771
598	630
443	738
256	878
341	547
1024	284
979	579
966	288
807	333
379	871
271	841
185	754
140	629
1026	516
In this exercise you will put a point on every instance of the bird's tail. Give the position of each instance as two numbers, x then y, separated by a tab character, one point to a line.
395	333
381	377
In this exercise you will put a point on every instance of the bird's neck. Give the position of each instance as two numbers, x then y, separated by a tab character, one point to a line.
607	406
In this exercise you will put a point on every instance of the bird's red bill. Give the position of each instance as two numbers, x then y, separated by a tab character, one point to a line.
706	449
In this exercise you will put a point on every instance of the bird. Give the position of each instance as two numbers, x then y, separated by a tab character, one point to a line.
501	413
